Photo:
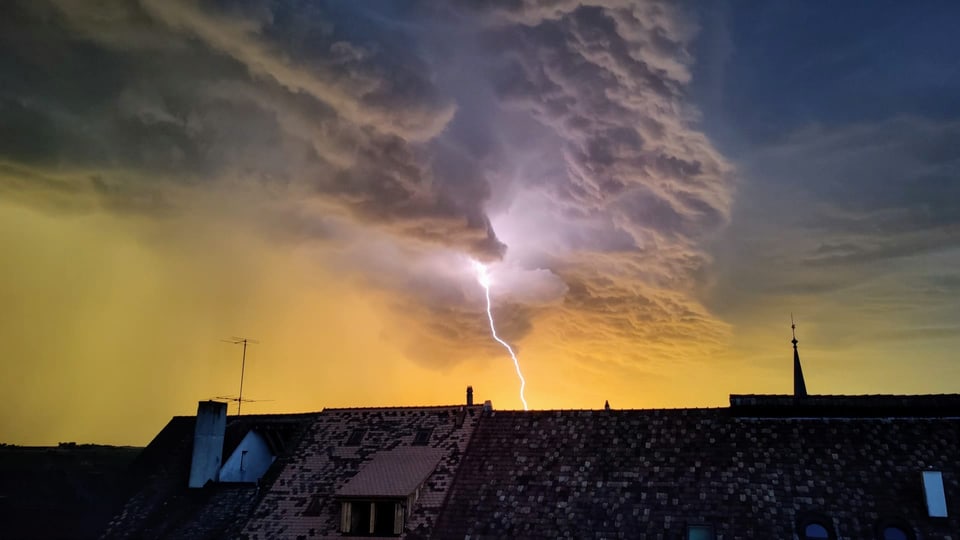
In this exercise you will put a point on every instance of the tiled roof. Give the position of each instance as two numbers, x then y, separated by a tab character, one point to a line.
931	405
394	473
648	474
163	506
303	502
753	470
67	491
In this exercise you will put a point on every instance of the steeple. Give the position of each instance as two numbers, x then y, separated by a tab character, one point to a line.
799	386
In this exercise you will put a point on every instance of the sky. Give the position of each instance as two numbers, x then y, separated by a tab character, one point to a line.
654	188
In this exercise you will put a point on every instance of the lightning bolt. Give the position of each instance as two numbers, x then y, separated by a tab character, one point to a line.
484	279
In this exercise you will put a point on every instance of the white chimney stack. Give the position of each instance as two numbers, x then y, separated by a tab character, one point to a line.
208	443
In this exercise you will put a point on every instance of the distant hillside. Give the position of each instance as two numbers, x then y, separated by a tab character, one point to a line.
69	491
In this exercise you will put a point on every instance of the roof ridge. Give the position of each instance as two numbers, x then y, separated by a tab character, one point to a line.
402	407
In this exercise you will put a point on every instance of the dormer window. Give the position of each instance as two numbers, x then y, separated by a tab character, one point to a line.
313	507
895	529
815	528
422	437
384	491
816	531
356	437
371	518
894	533
700	532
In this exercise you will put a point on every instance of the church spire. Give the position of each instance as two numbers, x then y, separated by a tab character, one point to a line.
799	386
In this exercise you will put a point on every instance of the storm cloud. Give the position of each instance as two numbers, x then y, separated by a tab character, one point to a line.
359	131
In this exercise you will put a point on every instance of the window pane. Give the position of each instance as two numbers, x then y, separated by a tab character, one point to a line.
815	530
423	437
699	532
360	518
344	517
894	533
933	489
384	516
355	437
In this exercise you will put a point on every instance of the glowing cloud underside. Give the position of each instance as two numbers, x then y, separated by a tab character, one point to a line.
484	279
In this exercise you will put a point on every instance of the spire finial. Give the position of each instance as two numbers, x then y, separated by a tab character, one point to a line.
793	328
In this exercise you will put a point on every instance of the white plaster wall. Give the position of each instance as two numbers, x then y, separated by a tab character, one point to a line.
256	461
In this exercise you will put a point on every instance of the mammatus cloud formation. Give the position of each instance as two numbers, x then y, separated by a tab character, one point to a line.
555	140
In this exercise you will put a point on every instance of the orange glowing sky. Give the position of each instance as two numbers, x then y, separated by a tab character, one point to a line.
654	189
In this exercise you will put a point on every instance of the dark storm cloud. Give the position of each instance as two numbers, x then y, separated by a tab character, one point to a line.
184	93
354	122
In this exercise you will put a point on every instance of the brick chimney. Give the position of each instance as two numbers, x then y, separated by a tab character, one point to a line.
208	443
469	396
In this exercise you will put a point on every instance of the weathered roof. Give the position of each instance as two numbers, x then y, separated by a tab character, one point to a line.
753	470
394	473
303	502
164	507
68	491
649	474
876	405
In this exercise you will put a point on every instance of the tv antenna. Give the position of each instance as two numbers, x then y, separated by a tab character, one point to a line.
238	400
243	365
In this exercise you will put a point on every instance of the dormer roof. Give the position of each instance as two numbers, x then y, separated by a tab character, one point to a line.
393	473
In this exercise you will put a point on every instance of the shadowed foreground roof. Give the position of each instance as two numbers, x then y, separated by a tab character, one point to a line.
600	474
163	506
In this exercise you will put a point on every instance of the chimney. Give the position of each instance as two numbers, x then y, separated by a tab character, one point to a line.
469	396
208	443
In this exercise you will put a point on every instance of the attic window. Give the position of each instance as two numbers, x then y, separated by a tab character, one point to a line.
371	518
893	532
313	508
700	532
816	530
933	490
423	437
356	437
815	527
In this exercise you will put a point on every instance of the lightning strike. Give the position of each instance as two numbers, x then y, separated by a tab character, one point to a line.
484	279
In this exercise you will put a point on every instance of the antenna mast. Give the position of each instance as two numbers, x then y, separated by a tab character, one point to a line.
243	364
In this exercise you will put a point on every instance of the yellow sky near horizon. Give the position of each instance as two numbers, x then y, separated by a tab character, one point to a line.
112	325
113	334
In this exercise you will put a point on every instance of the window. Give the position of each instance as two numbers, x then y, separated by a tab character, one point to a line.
815	527
356	437
895	529
313	508
371	518
423	437
815	530
933	490
700	532
894	533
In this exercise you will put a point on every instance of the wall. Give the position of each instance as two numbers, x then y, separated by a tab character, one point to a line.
254	463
